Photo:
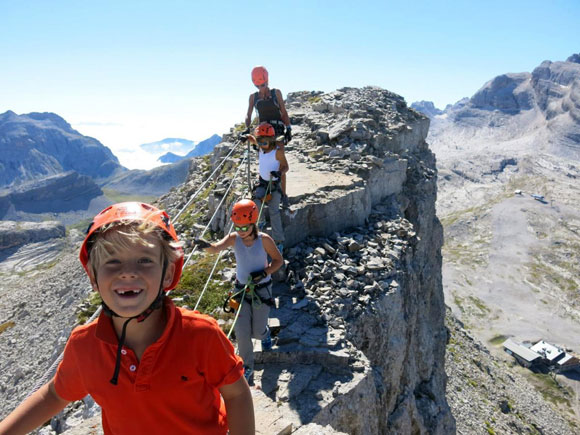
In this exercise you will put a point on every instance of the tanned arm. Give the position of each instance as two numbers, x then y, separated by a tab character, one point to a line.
239	407
227	242
281	157
272	251
37	409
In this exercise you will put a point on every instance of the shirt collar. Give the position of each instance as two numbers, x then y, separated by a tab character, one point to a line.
106	332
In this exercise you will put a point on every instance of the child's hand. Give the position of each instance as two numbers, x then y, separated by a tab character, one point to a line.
288	134
201	243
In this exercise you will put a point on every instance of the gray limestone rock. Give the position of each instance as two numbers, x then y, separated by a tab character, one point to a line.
13	234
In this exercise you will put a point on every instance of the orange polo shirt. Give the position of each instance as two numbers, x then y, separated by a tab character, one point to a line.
173	389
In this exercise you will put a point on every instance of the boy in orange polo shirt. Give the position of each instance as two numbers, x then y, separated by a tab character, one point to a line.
152	367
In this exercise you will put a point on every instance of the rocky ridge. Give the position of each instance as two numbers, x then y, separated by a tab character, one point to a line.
518	113
376	364
14	234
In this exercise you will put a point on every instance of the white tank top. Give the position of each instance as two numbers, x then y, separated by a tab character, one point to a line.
267	162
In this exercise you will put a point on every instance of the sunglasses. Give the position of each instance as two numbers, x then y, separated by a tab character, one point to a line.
264	143
244	228
263	85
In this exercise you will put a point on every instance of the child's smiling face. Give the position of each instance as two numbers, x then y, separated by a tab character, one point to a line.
129	279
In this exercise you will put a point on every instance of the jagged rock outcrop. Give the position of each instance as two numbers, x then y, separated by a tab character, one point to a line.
58	193
507	92
38	145
14	234
522	113
427	108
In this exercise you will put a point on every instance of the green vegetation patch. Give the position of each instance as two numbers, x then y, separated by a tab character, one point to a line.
498	339
193	280
479	304
80	225
116	196
6	325
88	307
238	128
551	389
489	428
459	301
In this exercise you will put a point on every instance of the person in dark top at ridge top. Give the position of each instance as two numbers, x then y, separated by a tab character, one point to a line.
270	107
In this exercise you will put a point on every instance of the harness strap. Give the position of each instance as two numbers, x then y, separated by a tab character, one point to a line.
259	286
249	294
274	186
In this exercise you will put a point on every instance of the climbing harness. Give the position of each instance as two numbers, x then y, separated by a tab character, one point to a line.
262	190
235	300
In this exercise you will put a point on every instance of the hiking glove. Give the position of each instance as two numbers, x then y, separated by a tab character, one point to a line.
201	243
258	276
288	134
276	174
243	136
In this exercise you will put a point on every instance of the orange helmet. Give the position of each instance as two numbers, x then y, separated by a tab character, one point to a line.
131	211
259	75
265	129
245	212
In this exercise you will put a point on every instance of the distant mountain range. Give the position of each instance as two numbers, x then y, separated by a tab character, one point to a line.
537	111
196	150
48	167
171	144
38	145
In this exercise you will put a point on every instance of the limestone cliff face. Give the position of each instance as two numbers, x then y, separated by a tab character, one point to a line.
365	251
19	233
58	193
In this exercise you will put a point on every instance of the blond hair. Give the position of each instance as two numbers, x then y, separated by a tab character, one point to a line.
125	234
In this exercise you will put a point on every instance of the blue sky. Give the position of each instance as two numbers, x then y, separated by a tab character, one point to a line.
131	72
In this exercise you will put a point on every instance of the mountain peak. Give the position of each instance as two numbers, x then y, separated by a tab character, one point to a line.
427	108
36	145
52	118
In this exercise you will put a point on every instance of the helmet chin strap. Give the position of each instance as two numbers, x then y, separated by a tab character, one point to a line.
157	303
